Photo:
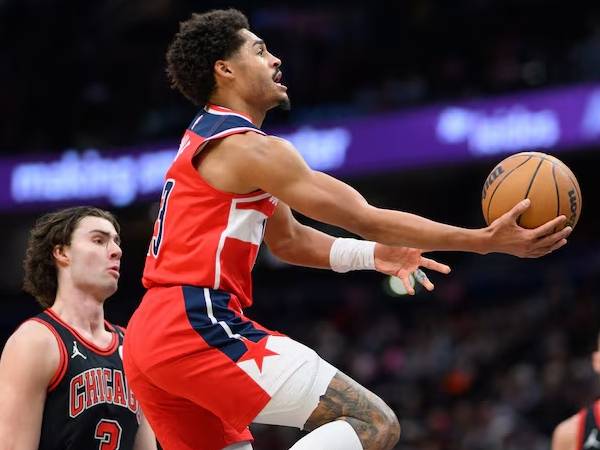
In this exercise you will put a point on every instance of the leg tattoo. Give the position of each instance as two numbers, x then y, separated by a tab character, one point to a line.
374	422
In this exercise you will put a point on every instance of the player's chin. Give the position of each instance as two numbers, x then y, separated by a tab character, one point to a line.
111	287
284	102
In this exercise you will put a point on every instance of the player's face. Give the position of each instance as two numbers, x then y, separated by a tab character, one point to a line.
259	75
94	257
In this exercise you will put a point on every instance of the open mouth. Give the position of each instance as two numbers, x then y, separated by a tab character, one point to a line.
277	79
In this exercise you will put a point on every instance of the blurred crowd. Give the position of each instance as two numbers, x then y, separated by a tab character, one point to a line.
87	74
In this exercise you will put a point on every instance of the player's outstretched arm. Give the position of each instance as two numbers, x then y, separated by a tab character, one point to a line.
29	360
565	435
276	167
302	245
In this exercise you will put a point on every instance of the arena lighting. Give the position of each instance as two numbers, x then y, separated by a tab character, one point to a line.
395	287
552	120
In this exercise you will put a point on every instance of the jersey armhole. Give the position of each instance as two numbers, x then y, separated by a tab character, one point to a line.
120	330
62	364
581	417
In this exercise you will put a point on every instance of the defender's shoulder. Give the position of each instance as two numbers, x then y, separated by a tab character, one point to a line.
565	434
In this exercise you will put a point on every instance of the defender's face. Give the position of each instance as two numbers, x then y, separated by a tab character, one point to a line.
258	72
94	257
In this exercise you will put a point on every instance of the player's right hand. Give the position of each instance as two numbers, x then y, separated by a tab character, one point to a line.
506	236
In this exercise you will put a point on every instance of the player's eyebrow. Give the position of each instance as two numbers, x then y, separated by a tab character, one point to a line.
258	42
107	235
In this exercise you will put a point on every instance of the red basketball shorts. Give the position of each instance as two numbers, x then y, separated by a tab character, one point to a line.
201	370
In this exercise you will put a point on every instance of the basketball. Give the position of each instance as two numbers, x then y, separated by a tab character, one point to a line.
545	180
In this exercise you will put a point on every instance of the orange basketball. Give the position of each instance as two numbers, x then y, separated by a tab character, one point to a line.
544	179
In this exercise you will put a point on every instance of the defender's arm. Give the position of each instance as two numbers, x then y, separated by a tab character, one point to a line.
29	361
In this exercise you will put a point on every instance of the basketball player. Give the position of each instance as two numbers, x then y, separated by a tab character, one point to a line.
581	431
61	373
202	370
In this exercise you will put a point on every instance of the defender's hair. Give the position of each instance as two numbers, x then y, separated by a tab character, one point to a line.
50	230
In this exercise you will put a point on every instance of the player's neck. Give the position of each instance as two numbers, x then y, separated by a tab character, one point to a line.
81	311
238	105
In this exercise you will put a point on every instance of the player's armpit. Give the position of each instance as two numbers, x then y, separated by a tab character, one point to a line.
29	361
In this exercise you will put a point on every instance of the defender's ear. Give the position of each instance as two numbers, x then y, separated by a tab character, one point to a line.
60	255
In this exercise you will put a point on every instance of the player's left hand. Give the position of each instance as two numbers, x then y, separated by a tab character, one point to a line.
401	262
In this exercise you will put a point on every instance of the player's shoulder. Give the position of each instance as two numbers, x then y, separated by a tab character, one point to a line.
32	349
254	144
565	434
33	336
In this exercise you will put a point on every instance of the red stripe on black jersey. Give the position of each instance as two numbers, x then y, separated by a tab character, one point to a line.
62	364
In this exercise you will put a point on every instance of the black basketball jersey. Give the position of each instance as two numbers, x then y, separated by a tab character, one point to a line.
589	436
88	404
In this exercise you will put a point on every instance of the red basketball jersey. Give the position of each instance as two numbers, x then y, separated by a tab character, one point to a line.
204	236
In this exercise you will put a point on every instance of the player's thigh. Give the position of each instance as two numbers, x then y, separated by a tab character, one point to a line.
182	424
304	379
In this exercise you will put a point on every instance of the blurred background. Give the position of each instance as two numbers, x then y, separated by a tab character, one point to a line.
413	103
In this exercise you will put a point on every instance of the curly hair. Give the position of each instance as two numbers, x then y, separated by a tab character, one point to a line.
201	41
50	230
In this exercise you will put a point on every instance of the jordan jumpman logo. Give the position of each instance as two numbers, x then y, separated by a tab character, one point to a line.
76	351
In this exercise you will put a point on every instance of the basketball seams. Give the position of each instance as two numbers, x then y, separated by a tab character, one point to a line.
500	182
557	193
537	169
533	179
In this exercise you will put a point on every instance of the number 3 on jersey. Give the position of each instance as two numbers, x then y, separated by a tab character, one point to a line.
160	220
108	432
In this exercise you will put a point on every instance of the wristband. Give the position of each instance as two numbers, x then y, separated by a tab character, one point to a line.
352	254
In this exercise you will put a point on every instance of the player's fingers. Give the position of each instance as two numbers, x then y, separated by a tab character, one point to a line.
407	284
519	208
549	227
554	247
432	264
549	241
421	277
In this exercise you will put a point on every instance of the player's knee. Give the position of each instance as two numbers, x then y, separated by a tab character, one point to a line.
388	427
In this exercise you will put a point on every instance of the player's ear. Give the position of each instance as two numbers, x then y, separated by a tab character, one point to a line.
60	255
223	69
596	361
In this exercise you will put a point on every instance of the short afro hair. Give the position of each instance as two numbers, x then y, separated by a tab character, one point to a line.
201	41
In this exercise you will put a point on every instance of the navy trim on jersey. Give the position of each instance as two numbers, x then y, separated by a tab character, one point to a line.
214	329
207	124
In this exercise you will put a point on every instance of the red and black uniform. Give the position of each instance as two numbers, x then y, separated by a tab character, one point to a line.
89	404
